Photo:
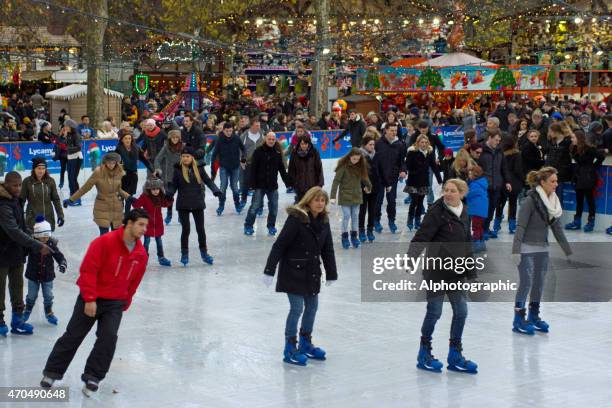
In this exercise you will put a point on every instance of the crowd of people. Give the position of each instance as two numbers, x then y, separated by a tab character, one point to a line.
526	149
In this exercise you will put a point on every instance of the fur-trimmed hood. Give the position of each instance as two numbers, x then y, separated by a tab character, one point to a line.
302	215
413	148
4	193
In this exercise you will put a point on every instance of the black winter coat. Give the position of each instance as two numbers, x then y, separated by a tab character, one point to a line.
390	158
266	164
494	165
74	142
229	150
191	195
40	267
515	170
434	141
443	234
14	237
354	128
301	246
585	174
532	157
373	174
306	172
558	156
152	145
195	139
130	158
418	166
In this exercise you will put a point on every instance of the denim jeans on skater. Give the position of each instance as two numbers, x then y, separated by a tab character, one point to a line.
350	212
158	242
532	271
257	203
434	311
304	306
231	176
47	291
391	196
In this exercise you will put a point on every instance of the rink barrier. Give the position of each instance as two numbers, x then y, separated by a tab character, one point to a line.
18	156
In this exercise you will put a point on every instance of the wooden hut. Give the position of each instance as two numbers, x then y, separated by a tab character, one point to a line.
73	99
362	103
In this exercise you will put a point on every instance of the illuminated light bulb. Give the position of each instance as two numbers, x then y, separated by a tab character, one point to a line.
405	22
376	21
326	51
567	56
451	22
600	52
289	21
578	20
376	59
259	21
436	21
364	22
421	21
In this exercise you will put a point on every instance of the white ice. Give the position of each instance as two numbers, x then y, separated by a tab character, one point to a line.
212	336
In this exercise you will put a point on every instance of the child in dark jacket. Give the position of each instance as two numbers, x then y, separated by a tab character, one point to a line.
40	271
477	200
153	200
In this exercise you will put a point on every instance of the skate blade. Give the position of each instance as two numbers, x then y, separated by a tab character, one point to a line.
316	358
87	392
21	333
430	369
297	363
460	370
541	330
528	333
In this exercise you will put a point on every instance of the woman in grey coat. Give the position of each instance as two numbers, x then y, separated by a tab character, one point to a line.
166	159
540	211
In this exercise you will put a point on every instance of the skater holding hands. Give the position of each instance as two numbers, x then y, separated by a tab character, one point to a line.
304	242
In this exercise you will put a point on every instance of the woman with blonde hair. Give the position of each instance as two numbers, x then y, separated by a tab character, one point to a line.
188	181
304	242
419	160
541	210
445	233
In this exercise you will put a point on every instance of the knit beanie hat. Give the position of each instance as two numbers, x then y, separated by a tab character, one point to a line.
41	228
111	156
154	183
39	161
71	123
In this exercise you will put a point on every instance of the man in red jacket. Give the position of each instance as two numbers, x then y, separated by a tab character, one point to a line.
109	276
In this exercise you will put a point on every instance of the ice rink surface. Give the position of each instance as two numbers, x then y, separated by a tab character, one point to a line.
212	336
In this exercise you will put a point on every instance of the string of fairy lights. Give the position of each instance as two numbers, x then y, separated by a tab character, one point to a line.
350	36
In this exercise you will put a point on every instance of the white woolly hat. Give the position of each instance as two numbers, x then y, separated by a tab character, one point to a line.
42	228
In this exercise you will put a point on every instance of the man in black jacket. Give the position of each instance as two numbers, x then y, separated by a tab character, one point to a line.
493	163
390	159
192	136
14	241
266	164
356	127
232	155
501	112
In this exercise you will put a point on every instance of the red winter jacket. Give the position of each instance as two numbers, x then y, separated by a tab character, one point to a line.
110	271
156	222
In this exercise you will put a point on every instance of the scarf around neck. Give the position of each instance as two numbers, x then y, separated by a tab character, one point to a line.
552	203
367	154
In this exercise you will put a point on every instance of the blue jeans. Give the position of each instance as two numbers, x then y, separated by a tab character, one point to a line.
532	271
73	167
350	212
104	230
391	196
47	290
301	306
158	242
233	177
257	203
434	311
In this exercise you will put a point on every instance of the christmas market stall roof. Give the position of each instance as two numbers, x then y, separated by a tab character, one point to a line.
75	91
455	59
34	36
